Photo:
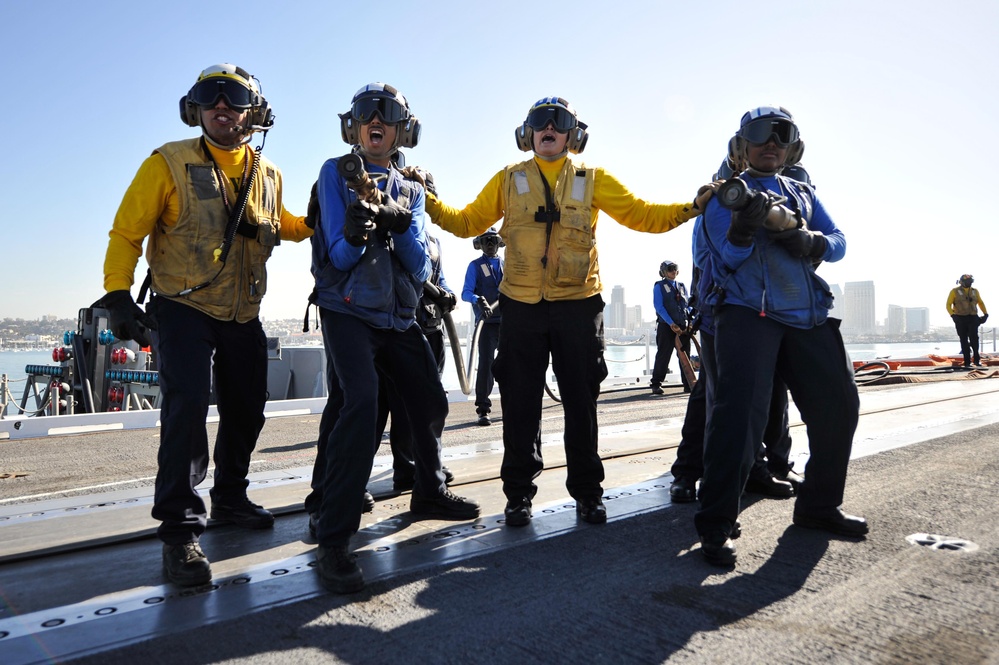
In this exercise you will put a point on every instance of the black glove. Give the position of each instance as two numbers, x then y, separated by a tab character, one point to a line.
982	319
128	321
746	222
448	302
393	217
802	243
484	307
358	222
313	214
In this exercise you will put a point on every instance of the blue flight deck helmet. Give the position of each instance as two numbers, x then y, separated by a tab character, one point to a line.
966	281
667	265
489	235
382	101
558	112
239	89
763	124
797	172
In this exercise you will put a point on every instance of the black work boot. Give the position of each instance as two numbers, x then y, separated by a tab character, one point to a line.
241	512
186	564
592	511
337	570
446	505
517	512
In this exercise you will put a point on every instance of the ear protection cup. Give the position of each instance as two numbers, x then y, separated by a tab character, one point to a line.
261	116
795	151
524	136
408	133
189	113
348	130
578	137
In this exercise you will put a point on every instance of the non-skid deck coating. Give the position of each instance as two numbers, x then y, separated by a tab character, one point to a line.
92	599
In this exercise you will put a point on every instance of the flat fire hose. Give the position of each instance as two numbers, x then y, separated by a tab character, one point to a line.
685	366
452	336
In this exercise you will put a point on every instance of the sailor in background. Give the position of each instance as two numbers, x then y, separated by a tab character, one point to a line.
669	297
963	304
481	288
212	209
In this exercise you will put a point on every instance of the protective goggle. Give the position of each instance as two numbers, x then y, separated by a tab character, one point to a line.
671	268
237	96
759	131
490	240
390	111
562	118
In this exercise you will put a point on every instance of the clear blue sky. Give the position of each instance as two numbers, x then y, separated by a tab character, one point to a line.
896	102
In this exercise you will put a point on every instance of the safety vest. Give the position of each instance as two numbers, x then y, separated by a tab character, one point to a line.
570	271
965	301
182	256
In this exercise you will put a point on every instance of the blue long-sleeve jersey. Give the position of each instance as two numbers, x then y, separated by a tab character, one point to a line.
764	276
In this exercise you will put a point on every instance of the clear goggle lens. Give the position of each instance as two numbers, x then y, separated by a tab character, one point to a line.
760	131
561	118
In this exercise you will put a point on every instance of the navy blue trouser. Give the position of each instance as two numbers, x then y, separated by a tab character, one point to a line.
967	332
400	431
359	353
191	347
572	333
814	364
771	456
489	337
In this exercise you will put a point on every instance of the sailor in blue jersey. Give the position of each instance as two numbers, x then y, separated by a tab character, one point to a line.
482	280
771	313
370	261
669	298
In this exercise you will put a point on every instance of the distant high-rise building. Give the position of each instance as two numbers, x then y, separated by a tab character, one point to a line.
634	315
917	320
896	320
837	307
617	316
858	308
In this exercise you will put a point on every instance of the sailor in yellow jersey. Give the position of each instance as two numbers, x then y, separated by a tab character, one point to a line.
550	295
963	304
212	210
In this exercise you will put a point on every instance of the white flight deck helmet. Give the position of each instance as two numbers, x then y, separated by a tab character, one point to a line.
240	90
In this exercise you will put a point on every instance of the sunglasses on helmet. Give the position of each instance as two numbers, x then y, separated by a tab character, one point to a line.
390	111
759	131
562	119
237	96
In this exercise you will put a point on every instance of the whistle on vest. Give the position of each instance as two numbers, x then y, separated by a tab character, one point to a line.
217	254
